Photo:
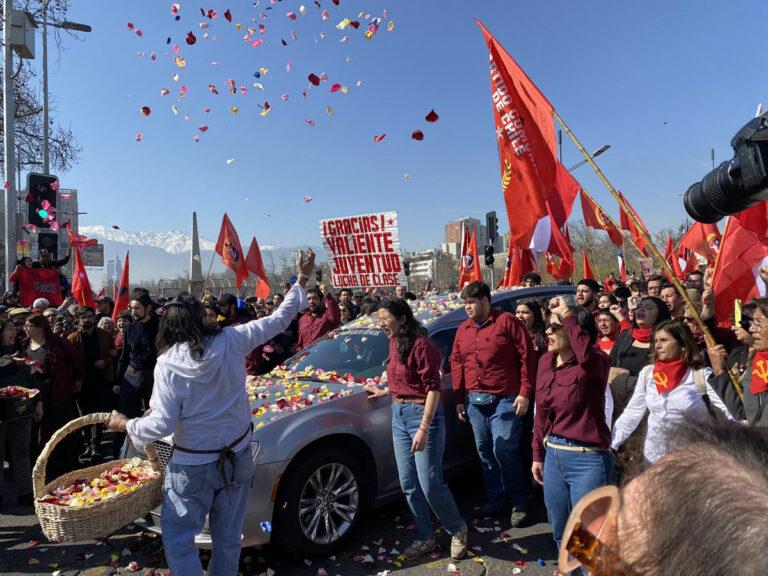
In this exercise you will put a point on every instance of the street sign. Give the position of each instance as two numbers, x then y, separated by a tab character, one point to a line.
93	255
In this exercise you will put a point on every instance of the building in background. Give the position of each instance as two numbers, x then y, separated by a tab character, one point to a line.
453	235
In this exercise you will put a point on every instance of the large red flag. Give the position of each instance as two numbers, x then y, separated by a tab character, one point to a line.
513	275
256	266
629	225
229	248
81	286
594	217
587	267
559	268
525	134
122	296
701	239
469	270
744	248
671	257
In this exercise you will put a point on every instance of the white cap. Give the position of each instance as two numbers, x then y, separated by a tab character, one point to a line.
41	304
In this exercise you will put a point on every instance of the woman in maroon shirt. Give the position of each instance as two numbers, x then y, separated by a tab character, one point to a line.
418	428
571	438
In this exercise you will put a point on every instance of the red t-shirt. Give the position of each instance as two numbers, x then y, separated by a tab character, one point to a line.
419	374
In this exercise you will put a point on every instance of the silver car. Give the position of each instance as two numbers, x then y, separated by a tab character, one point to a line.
322	451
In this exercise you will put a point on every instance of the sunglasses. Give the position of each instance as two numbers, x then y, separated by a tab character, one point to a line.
554	327
594	516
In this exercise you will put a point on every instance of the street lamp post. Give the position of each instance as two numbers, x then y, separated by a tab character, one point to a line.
66	25
8	127
604	148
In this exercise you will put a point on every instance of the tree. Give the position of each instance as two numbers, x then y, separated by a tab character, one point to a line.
63	147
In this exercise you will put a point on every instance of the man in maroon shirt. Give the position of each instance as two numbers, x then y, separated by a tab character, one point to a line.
493	364
322	316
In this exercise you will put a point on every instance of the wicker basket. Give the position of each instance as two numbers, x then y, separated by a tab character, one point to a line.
66	524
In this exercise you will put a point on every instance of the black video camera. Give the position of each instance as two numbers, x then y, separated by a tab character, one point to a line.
737	184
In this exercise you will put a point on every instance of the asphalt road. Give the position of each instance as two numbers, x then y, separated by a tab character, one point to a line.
384	534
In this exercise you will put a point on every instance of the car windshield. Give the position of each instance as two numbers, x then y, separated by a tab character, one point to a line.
360	352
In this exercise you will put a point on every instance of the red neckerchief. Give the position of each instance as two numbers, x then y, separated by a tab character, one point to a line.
642	335
606	345
759	382
667	374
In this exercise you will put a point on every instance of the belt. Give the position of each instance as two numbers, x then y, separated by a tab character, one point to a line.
224	455
399	400
581	449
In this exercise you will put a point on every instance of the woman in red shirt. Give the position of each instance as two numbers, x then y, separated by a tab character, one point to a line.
571	438
418	428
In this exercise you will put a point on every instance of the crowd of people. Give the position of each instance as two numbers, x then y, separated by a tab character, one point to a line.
575	393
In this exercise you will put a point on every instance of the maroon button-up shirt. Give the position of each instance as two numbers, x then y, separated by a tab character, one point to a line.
313	327
497	357
570	398
419	375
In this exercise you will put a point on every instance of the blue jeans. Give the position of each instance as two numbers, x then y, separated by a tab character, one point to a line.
568	476
497	436
421	474
190	493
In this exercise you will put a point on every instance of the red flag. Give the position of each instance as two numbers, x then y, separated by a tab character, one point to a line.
628	224
256	266
81	286
701	239
101	294
513	275
744	248
122	296
594	217
587	267
470	265
671	257
562	198
525	134
559	268
77	240
228	247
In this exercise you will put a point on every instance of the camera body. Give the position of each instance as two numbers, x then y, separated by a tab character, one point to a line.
737	184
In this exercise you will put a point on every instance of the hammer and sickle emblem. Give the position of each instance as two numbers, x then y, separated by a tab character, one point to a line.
601	216
661	379
761	371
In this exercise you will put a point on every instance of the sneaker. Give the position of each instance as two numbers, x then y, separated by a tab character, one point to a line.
518	516
488	509
419	548
459	543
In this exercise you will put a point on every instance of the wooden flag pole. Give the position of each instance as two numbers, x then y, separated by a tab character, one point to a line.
710	340
208	276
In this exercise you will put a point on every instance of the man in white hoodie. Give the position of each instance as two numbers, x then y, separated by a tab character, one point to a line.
199	396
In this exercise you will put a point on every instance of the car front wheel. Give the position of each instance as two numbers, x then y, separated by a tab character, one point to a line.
321	502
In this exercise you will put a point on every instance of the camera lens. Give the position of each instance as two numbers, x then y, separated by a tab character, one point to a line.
713	198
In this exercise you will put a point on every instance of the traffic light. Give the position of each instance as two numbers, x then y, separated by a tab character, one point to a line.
492	223
41	199
319	275
407	267
48	241
489	255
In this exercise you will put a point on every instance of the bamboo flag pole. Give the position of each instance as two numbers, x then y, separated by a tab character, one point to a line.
654	250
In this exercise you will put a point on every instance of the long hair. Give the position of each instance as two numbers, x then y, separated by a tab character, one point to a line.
684	337
539	327
409	331
664	313
182	323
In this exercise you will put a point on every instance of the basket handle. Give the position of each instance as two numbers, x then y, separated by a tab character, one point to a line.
38	473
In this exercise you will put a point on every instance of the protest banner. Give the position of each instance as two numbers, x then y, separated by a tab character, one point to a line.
363	251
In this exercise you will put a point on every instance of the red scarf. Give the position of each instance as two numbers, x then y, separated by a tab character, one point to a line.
606	345
667	374
642	334
759	382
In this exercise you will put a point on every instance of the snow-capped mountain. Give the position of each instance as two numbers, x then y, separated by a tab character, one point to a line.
172	241
156	255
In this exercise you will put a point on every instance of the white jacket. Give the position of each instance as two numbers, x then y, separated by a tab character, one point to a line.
666	411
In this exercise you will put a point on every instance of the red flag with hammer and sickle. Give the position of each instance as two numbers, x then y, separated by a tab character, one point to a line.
759	382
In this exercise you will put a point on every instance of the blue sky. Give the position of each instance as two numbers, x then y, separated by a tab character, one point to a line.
661	81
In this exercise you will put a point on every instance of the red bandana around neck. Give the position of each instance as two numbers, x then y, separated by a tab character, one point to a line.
667	374
642	334
759	382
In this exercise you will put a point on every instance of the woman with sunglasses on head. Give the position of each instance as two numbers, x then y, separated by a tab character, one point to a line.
571	437
750	364
673	388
